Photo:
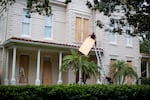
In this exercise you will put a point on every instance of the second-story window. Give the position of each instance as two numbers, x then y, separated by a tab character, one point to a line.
25	23
82	29
1	29
113	36
48	27
128	40
128	37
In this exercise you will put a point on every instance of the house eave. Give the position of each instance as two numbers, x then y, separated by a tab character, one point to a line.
58	3
34	43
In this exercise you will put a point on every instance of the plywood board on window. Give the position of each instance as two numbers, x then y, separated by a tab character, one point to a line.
78	29
87	45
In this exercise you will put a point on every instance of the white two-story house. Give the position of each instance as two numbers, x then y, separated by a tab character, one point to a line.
32	49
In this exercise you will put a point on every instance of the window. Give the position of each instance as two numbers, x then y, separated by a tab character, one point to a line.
113	36
1	27
128	37
128	40
25	23
129	63
82	29
143	68
129	79
48	27
111	69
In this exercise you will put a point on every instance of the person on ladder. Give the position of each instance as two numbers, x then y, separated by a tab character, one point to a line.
93	36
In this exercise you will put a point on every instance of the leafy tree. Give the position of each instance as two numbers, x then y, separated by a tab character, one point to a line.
137	14
120	70
34	6
145	46
79	63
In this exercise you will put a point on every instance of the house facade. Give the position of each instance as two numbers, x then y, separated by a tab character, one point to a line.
32	47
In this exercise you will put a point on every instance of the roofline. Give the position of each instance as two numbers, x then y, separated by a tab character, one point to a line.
58	3
15	41
35	42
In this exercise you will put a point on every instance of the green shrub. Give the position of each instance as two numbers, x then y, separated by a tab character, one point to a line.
75	92
145	81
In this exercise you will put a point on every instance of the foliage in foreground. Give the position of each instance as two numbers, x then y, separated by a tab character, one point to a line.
75	92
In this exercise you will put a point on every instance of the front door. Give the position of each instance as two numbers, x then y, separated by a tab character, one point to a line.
23	69
46	77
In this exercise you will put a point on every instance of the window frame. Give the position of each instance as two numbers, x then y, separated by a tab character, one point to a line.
50	26
26	21
112	35
82	36
1	24
129	39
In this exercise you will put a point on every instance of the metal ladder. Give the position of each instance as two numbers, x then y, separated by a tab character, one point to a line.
100	64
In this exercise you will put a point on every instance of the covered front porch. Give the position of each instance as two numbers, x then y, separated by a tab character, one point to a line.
29	62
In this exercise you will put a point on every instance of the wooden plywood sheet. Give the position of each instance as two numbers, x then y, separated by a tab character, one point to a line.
87	45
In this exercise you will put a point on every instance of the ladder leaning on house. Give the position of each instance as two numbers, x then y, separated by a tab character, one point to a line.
86	47
100	64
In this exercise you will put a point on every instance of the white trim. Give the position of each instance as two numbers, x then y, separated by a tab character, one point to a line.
52	27
60	0
112	35
113	56
129	41
29	34
113	43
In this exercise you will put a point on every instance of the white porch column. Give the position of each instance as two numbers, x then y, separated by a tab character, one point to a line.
60	72
37	81
6	82
147	69
13	80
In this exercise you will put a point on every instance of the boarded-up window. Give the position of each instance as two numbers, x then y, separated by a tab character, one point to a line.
78	29
82	29
47	73
112	70
24	69
85	28
129	79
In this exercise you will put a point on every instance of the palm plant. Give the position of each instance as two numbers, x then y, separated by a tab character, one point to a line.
120	70
79	63
129	72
